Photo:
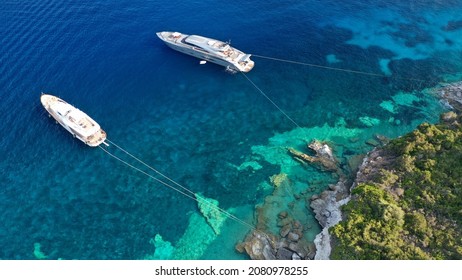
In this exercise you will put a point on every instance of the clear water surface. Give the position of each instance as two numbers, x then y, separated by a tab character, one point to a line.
210	131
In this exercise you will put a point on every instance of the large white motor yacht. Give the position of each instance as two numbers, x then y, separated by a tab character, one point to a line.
79	124
208	49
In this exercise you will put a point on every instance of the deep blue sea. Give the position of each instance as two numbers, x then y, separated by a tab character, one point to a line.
209	130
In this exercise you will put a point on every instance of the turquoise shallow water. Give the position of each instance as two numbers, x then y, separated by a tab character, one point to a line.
207	129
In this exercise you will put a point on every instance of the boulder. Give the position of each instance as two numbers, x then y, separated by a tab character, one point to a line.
294	237
297	225
284	254
285	230
314	197
383	140
323	156
259	246
296	257
283	215
373	142
302	248
284	222
265	246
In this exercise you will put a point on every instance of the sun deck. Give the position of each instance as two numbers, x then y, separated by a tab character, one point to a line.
74	120
208	49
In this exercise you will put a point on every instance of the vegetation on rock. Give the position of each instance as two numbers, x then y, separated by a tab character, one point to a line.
411	208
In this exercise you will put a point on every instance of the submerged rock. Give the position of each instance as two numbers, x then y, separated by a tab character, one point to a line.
279	233
382	139
38	254
369	121
323	156
191	246
195	240
293	236
453	25
163	249
209	209
285	230
279	180
283	215
354	162
378	141
259	246
373	142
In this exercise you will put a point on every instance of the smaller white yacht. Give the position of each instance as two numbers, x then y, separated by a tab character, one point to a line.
208	49
79	124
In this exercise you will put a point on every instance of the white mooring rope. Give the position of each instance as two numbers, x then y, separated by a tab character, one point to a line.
336	68
185	191
270	100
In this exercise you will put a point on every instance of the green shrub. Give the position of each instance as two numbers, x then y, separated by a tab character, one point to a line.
425	222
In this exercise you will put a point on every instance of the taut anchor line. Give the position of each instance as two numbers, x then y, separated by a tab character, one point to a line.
81	126
270	100
312	65
184	191
336	68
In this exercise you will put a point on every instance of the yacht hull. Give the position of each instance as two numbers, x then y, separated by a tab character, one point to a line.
243	65
200	55
51	103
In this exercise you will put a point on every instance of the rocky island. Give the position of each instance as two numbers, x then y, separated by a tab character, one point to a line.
404	202
406	199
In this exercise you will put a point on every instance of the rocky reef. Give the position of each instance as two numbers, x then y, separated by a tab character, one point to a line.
405	199
323	156
281	225
210	210
202	230
452	95
288	245
327	205
289	242
453	25
282	220
163	249
38	254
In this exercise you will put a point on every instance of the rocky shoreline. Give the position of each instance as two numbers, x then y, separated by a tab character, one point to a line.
327	204
289	244
452	96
